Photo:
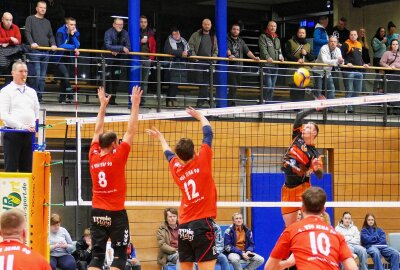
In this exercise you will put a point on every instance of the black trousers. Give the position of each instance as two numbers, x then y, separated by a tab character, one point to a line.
17	152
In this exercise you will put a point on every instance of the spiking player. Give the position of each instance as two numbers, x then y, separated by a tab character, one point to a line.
193	174
108	157
300	160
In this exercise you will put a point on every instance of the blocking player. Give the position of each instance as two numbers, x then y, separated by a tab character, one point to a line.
192	173
314	244
14	254
108	157
300	160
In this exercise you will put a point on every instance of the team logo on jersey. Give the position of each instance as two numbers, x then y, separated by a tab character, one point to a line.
186	234
126	237
177	164
102	221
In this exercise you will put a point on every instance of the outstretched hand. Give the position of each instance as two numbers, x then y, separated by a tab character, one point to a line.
154	133
136	95
195	114
103	98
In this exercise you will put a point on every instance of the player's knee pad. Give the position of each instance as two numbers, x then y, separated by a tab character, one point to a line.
97	261
120	257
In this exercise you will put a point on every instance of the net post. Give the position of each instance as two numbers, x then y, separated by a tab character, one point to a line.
158	71
211	84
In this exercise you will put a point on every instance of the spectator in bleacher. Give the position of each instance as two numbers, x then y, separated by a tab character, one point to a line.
38	32
352	236
222	260
67	37
299	50
239	245
132	262
176	70
362	38
147	45
167	238
391	33
373	239
378	47
329	54
83	252
320	35
237	48
352	54
10	44
116	39
341	32
19	109
391	59
60	246
270	50
203	43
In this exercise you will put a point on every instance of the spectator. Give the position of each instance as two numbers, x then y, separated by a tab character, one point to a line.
132	263
352	236
60	246
19	109
10	41
38	32
239	245
237	48
362	38
116	39
270	50
320	34
378	47
203	43
299	50
167	238
341	32
179	47
83	252
147	45
222	260
391	33
373	239
67	37
329	54
14	233
308	240
352	54
391	59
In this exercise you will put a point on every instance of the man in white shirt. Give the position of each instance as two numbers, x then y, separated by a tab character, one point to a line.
19	110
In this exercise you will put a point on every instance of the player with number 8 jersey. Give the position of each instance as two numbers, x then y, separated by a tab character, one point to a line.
107	160
192	173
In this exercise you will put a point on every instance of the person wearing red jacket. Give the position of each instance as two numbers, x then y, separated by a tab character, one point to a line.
147	45
10	37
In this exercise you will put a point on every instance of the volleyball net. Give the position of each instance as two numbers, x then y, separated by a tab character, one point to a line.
360	154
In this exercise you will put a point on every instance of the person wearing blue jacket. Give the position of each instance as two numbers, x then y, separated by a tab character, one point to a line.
320	35
373	239
239	245
67	37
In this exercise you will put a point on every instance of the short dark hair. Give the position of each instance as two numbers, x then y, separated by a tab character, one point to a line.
171	210
365	224
70	19
107	138
143	17
343	19
236	24
174	29
41	1
322	18
390	25
314	200
344	213
185	149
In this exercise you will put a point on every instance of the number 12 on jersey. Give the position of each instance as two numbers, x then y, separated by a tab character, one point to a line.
191	184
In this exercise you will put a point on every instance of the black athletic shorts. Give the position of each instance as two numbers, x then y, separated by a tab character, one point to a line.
196	242
106	224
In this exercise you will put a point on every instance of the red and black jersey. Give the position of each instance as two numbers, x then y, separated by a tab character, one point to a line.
299	156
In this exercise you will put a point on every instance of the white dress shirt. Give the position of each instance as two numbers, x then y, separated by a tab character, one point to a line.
19	106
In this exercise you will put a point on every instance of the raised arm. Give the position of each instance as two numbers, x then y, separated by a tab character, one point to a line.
101	114
155	133
133	120
206	126
298	122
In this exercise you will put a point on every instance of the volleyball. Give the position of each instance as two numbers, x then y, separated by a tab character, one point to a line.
301	77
